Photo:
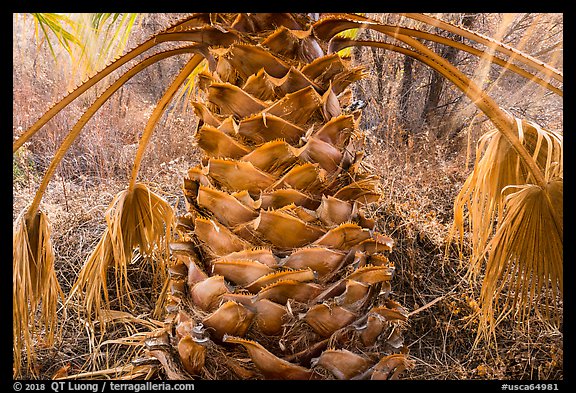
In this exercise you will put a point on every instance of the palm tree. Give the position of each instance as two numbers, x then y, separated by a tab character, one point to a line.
276	256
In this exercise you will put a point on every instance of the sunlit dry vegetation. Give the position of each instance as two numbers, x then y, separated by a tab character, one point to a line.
445	185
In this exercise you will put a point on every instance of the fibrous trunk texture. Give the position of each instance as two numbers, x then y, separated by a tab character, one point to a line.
278	271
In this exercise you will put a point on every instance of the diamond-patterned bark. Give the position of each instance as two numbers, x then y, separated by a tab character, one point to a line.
277	260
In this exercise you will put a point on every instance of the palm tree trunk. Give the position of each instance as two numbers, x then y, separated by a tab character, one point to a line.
276	245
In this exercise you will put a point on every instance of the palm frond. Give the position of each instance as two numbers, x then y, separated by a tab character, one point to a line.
35	288
59	26
515	226
481	199
136	219
104	36
524	263
98	262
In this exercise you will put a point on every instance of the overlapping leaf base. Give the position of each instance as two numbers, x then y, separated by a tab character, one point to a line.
278	272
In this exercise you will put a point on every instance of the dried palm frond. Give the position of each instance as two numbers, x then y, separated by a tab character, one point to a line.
35	288
497	166
36	231
507	216
524	266
136	219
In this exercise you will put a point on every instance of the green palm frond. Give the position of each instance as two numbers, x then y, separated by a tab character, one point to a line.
105	36
61	27
91	40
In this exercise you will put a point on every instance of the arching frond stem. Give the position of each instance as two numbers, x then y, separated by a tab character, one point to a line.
463	47
158	111
75	131
503	122
498	46
130	55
